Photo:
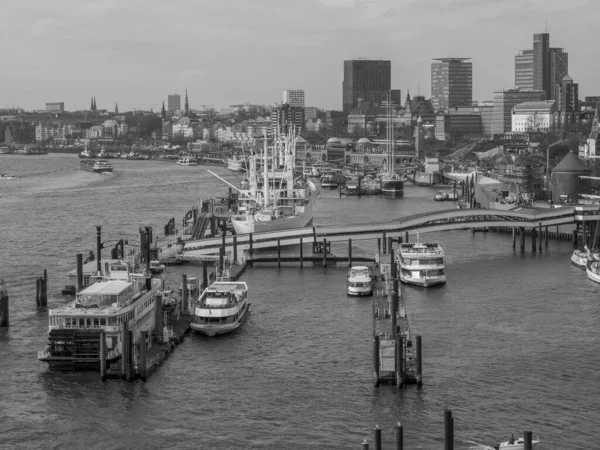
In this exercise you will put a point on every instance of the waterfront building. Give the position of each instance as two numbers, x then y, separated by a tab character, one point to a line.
567	181
173	103
451	83
294	97
55	107
524	70
459	123
45	132
534	117
94	132
285	117
365	79
504	102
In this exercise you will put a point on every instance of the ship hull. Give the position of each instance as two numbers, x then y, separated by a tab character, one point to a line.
392	188
249	225
92	168
216	329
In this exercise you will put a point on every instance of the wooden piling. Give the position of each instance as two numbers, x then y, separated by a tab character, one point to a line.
250	243
394	296
99	248
4	312
184	293
399	437
41	298
522	231
400	361
514	234
78	272
364	445
376	359
235	258
129	373
142	362
204	275
378	245
349	252
419	361
279	253
584	231
301	253
390	242
158	317
533	238
406	237
528	438
448	429
124	348
324	252
102	355
384	241
377	437
540	235
574	236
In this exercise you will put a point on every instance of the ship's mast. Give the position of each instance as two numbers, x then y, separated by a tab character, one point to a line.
266	175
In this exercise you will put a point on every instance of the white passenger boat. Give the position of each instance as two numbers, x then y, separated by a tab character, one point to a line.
360	281
515	444
579	258
5	176
422	264
118	295
96	165
156	267
222	308
187	161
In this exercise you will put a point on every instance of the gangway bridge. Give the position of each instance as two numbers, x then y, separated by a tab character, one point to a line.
445	220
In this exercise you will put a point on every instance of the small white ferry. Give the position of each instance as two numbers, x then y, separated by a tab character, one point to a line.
222	308
422	264
360	281
579	258
515	444
96	165
187	161
592	269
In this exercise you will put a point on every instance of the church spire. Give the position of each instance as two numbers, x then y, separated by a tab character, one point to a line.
163	112
92	104
187	104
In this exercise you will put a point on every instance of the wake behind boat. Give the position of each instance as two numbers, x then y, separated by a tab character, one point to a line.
222	308
515	444
422	264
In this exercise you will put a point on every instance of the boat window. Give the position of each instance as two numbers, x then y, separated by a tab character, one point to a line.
103	321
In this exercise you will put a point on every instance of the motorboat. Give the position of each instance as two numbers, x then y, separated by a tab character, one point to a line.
156	267
515	444
422	264
187	161
440	196
592	269
360	281
222	307
5	176
579	258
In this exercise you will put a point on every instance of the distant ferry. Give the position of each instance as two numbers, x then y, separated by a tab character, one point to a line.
187	161
360	281
96	165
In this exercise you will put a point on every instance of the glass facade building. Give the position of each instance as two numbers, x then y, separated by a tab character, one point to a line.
365	79
505	101
524	70
451	83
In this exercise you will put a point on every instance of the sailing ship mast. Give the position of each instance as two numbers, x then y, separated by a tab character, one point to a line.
266	176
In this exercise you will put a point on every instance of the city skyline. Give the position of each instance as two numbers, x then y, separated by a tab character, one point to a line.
63	52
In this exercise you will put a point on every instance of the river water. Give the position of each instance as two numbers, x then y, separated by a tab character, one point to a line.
510	343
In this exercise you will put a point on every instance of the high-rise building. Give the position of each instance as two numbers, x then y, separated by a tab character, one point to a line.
541	63
173	102
365	79
524	70
285	117
451	83
294	97
568	102
505	101
55	106
559	68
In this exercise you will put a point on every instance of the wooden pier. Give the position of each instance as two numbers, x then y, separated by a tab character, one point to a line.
397	354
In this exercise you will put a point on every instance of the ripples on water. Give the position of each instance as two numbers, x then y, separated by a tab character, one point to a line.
510	343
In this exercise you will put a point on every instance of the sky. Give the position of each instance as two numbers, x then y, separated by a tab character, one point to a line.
135	52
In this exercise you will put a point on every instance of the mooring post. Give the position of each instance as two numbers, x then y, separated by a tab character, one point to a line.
384	240
102	355
301	253
250	243
376	359
364	445
394	296
129	374
78	272
4	313
448	429
399	361
540	235
148	245
574	238
349	252
212	226
377	437
546	235
399	436
221	258
124	348
419	361
514	233
584	232
390	243
99	248
406	237
522	230
379	245
235	258
158	316
279	253
184	293
533	237
528	438
204	275
324	252
142	362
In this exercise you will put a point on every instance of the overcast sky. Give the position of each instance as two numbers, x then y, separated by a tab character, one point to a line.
235	51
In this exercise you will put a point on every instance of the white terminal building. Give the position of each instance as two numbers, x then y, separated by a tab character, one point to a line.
537	116
294	97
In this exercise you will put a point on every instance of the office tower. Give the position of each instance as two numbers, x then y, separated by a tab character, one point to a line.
55	107
173	102
568	102
524	70
294	97
287	118
365	79
451	83
541	63
559	68
505	101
